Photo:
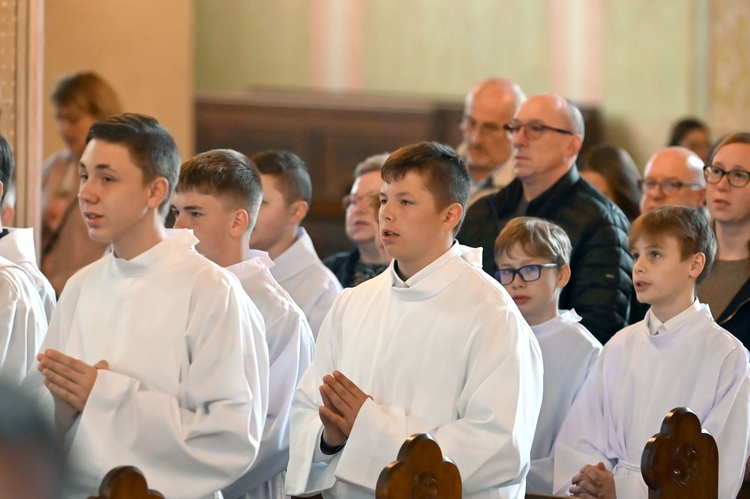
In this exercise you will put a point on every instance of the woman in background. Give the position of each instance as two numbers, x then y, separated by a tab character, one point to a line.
80	100
613	172
727	288
693	134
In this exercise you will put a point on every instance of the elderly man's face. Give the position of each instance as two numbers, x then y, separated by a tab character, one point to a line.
673	177
549	155
483	136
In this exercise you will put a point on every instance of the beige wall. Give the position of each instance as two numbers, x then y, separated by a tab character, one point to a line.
645	63
143	47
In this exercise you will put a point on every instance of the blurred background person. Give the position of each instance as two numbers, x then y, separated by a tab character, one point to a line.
727	288
612	171
31	461
693	134
673	176
80	100
368	258
484	147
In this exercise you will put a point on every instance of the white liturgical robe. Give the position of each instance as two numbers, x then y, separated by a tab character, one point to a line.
312	286
290	350
186	392
640	377
18	247
447	353
23	322
569	352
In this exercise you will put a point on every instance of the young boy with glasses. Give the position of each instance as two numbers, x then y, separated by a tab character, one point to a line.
532	256
676	357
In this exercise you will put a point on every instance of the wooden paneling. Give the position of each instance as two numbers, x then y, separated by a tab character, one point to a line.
332	133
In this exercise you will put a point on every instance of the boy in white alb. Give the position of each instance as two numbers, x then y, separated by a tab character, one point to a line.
17	245
23	320
533	258
287	192
217	196
155	357
677	356
433	344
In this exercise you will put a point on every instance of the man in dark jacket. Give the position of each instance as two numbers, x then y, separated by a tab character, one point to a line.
547	133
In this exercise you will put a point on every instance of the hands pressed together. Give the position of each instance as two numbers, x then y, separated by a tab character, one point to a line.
594	482
342	400
69	380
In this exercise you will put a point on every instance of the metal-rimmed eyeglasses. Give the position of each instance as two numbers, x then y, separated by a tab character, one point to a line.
736	178
533	129
527	273
669	186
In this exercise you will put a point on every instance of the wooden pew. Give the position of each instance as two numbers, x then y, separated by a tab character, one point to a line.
125	482
420	472
682	460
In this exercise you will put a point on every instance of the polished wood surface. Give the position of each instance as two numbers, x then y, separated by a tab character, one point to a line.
125	482
682	461
420	472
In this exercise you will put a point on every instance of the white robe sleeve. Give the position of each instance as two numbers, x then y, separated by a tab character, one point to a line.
290	351
22	327
195	442
499	368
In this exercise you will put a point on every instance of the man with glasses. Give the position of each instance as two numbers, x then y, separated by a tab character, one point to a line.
546	136
673	176
485	147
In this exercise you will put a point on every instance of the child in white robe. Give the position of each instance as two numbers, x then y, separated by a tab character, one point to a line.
218	195
23	319
17	245
155	357
677	356
431	345
533	258
287	192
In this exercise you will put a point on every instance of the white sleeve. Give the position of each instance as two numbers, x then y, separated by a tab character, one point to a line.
489	440
193	444
582	435
290	349
22	329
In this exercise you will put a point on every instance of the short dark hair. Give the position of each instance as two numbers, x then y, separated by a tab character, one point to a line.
226	174
619	170
682	127
7	167
442	169
688	225
535	237
88	92
290	172
150	145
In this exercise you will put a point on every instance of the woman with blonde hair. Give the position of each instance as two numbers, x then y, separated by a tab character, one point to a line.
80	100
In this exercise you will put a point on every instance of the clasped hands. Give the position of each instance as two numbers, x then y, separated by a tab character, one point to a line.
594	482
69	380
342	400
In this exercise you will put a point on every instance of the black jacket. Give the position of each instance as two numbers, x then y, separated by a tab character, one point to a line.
601	285
342	265
736	317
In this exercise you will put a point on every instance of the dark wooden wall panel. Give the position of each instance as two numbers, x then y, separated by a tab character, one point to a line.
332	133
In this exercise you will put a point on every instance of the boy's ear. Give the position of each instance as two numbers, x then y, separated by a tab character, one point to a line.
563	275
451	216
240	219
697	263
298	210
158	192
